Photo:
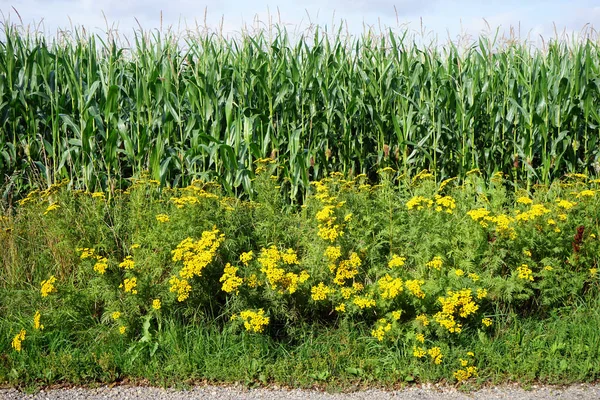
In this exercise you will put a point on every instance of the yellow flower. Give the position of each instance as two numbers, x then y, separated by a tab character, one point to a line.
422	318
420	337
474	277
320	292
129	285
525	272
414	286
231	282
181	287
18	339
436	355
481	293
396	315
115	315
162	218
36	321
290	257
254	321
122	329
101	265
396	261
341	308
586	193
348	217
526	253
566	204
464	374
48	286
419	352
246	257
333	253
363	302
97	195
548	268
436	263
593	272
486	321
389	287
51	207
156	304
459	272
135	246
524	200
127	263
86	253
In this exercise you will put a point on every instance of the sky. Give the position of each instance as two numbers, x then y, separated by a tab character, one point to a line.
441	19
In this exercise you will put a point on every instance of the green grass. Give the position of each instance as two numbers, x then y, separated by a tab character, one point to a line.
560	349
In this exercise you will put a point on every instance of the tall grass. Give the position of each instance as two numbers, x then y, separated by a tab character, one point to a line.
97	111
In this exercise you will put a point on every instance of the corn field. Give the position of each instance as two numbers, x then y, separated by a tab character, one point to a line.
99	111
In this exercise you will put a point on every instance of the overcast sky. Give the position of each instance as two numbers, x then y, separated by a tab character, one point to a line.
443	18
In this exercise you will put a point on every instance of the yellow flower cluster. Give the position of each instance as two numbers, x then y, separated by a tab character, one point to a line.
320	292
486	321
122	329
445	203
101	265
162	218
86	252
419	352
127	263
464	374
481	293
381	328
436	355
231	282
333	253
459	302
129	285
363	302
436	263
524	200
502	221
422	318
419	202
414	286
254	321
51	207
536	210
565	204
48	286
586	193
181	287
18	340
246	257
525	272
347	269
156	304
277	277
36	321
196	255
396	261
389	287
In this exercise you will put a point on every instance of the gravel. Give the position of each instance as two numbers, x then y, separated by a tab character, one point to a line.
425	392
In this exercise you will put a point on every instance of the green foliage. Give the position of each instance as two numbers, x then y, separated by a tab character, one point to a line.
200	106
401	278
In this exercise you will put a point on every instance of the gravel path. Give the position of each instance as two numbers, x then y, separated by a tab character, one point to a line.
426	392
